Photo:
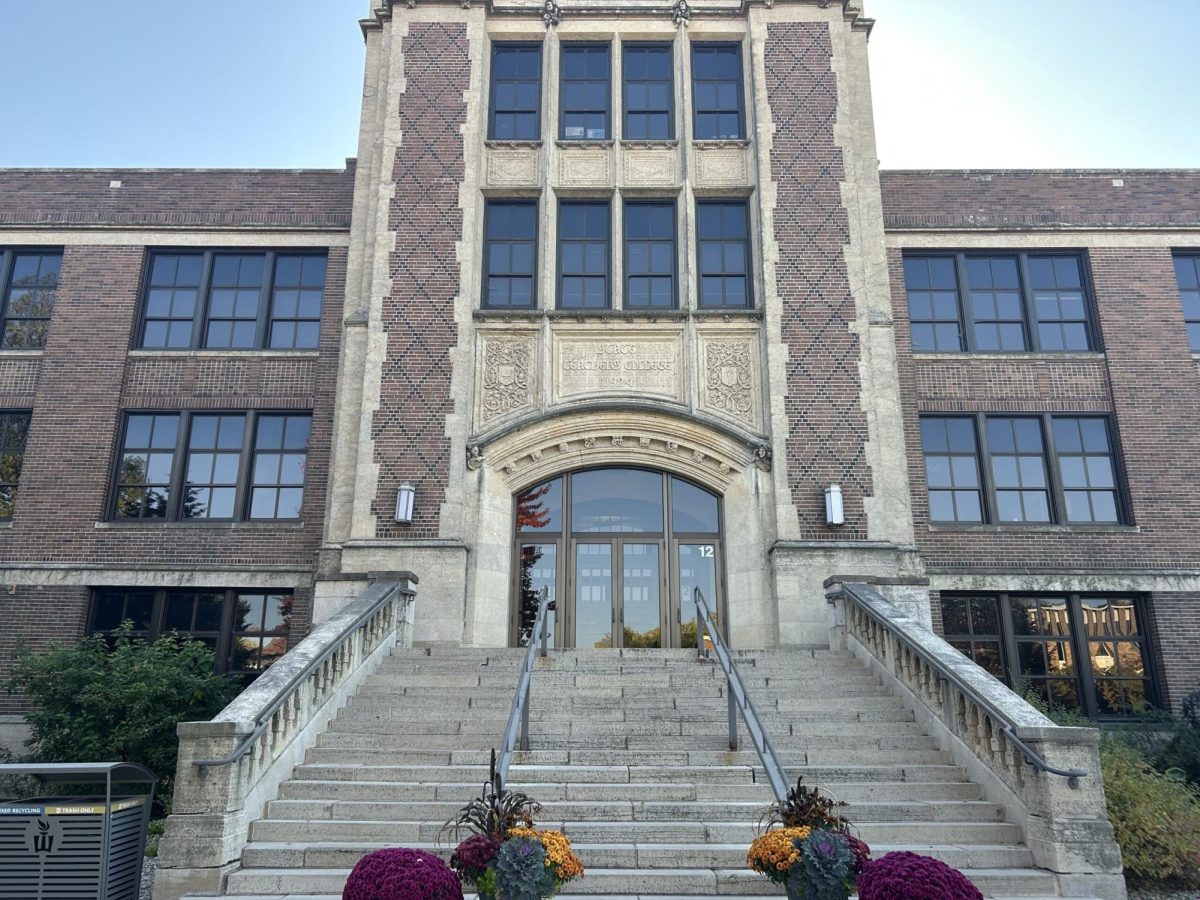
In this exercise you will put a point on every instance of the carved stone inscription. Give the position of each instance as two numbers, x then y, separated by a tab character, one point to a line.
631	366
729	379
508	378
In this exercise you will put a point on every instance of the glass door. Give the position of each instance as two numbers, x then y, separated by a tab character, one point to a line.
695	567
618	592
594	593
641	615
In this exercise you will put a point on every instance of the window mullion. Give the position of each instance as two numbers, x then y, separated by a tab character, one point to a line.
1008	639
200	322
1059	514
985	454
158	614
263	325
241	500
965	312
179	468
1084	681
6	264
1033	337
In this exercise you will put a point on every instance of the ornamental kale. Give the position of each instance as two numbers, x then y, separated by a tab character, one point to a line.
827	864
909	876
401	874
521	872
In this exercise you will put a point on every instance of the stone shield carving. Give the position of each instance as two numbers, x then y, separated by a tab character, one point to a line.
729	380
507	378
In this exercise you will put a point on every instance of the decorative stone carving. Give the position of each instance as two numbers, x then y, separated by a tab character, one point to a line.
588	166
593	364
649	167
672	446
589	443
681	12
722	165
729	379
507	378
474	457
618	441
762	457
551	13
564	447
513	166
643	442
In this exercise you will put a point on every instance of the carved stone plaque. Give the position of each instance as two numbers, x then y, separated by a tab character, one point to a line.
729	380
648	167
722	166
585	166
625	366
507	374
513	166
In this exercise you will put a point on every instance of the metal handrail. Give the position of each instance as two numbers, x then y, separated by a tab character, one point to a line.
518	715
1008	726
738	698
263	719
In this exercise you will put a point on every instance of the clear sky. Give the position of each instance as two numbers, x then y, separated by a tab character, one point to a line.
277	83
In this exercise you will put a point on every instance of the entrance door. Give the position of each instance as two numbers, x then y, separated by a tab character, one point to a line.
619	589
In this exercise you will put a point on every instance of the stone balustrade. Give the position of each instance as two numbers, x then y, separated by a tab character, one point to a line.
231	766
1046	776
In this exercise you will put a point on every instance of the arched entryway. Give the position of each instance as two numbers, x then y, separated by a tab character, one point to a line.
621	550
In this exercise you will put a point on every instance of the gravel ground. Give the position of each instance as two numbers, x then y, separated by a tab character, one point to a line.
1144	892
148	866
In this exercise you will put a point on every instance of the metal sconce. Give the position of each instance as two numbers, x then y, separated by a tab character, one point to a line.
835	511
404	503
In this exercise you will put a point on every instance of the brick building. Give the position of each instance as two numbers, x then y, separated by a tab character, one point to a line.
633	269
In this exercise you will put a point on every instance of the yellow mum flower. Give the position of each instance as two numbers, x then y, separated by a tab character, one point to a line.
559	855
775	852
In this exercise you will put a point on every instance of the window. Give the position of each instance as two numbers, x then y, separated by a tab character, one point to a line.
224	466
585	92
14	428
998	303
516	92
248	630
29	280
583	255
510	253
233	301
649	102
723	239
717	92
649	255
1187	272
1035	469
1081	652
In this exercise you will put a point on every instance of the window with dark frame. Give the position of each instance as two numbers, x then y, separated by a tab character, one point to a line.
998	303
1035	469
184	466
717	92
233	301
649	255
649	92
723	245
584	254
1187	273
247	629
14	430
1086	653
510	254
585	92
516	92
29	283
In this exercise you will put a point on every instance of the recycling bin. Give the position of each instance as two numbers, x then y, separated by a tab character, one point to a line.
75	847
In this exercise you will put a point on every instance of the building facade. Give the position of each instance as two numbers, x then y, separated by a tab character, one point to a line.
617	297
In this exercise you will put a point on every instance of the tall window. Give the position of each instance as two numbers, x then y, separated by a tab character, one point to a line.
723	237
583	255
14	429
998	303
717	92
233	301
248	630
649	106
510	253
516	92
649	255
1035	469
1082	652
585	91
228	466
1187	271
29	281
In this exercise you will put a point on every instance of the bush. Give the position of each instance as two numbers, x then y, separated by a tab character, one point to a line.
96	703
909	876
1156	816
399	874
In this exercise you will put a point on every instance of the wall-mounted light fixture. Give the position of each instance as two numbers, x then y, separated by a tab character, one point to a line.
835	511
404	503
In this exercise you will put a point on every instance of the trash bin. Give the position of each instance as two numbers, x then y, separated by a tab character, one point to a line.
75	847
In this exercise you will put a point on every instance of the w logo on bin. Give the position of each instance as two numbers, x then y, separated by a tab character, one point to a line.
43	840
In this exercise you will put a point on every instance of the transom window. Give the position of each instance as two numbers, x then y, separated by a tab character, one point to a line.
583	255
1000	303
29	281
510	254
586	91
1187	272
649	255
717	92
1078	651
516	92
649	101
248	630
233	301
1032	469
200	465
723	243
14	429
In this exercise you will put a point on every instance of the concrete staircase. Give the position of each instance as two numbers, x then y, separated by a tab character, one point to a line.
631	760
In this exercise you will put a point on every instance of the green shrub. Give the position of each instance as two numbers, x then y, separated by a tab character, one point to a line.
119	699
1156	816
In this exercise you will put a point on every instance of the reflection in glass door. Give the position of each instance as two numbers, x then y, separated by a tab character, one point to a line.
697	569
641	595
538	569
593	595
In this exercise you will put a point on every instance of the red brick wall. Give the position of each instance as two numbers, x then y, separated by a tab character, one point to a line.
1175	625
827	426
31	616
418	314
